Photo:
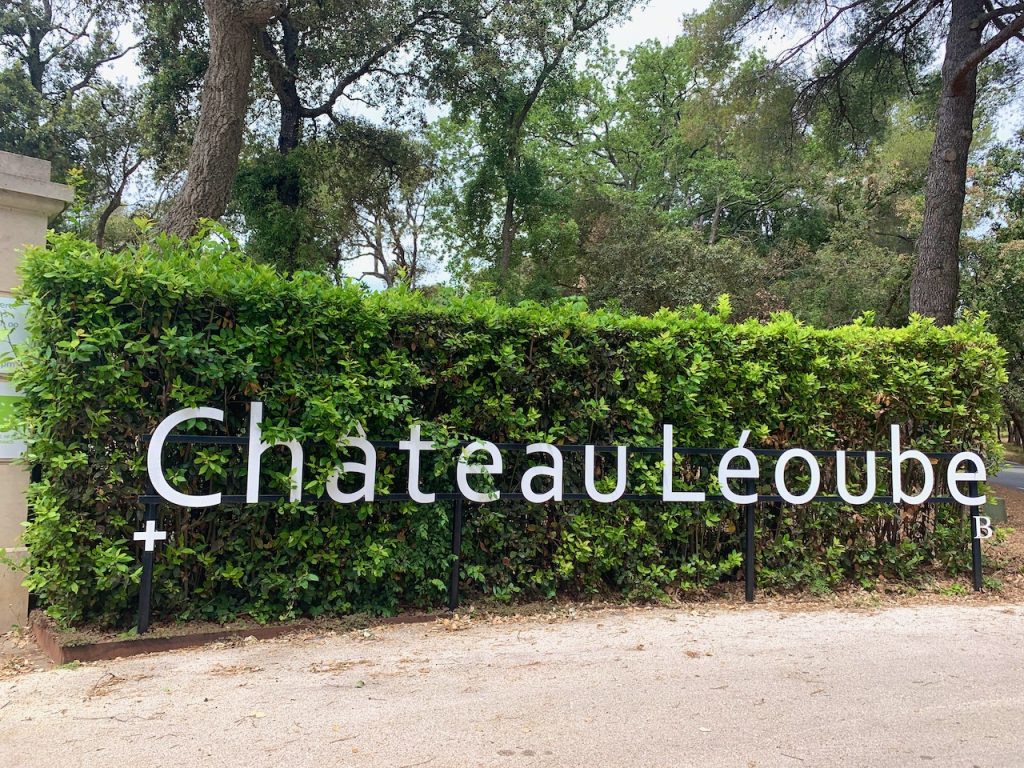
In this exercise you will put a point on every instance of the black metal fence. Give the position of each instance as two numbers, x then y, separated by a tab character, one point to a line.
152	502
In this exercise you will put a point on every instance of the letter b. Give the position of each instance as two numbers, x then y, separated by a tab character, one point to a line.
982	527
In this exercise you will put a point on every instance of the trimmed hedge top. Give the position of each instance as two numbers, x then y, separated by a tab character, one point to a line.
119	341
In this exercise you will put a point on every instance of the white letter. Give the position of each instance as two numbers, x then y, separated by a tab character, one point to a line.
154	458
414	445
256	449
554	472
464	468
780	476
725	474
368	470
953	477
869	486
982	530
620	479
897	471
667	494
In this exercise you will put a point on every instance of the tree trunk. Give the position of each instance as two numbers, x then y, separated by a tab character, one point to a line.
289	187
715	221
290	132
218	140
936	281
1018	424
34	60
291	125
508	233
101	222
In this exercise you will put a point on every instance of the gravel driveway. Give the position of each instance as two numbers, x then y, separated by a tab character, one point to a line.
929	685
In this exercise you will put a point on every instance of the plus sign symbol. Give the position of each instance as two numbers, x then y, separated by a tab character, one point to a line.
151	535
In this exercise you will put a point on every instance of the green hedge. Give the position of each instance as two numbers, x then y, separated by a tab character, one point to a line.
122	340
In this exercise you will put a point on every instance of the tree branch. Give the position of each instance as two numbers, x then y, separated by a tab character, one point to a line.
73	37
995	12
791	53
999	23
93	68
268	52
369	64
880	29
989	47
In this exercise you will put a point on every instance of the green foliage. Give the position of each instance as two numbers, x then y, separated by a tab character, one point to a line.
654	181
56	103
520	62
121	340
640	263
346	189
872	206
174	54
992	270
846	277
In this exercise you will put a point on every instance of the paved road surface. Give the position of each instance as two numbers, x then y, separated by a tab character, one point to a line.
923	686
1012	476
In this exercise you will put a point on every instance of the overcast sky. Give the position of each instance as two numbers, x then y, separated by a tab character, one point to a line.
658	19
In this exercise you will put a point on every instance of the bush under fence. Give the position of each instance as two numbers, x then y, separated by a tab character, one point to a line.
119	341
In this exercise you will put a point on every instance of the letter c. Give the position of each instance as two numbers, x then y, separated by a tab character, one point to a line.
154	458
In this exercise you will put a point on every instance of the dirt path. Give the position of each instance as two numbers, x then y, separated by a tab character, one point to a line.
929	685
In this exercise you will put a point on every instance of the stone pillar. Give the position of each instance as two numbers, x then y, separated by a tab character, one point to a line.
27	201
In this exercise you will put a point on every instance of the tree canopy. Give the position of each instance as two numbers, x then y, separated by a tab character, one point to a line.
860	159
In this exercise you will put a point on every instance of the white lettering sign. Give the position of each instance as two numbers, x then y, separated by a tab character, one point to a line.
737	463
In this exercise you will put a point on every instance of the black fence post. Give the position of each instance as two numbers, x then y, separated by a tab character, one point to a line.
975	539
750	550
146	587
453	579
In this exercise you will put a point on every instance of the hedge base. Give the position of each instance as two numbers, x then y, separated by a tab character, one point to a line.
64	648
